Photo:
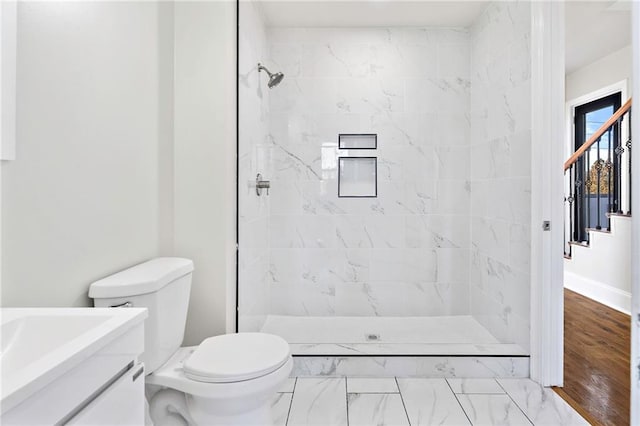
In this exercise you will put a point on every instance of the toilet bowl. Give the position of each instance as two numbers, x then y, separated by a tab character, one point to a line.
226	380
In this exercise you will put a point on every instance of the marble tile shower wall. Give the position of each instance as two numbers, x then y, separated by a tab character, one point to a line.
254	158
406	252
501	170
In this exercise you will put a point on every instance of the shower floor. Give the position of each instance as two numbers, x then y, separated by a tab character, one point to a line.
422	336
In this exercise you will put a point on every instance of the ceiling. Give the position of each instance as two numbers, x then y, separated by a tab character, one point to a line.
372	13
594	29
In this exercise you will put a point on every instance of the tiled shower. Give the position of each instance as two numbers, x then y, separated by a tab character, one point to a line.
442	246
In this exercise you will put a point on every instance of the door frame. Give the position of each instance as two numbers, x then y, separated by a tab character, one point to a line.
547	194
547	304
621	86
635	229
580	211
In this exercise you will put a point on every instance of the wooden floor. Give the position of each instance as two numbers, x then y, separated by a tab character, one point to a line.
596	360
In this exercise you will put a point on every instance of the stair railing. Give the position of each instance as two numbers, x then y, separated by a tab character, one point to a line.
598	181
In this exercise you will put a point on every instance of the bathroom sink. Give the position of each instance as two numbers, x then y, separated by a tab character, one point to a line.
39	345
28	339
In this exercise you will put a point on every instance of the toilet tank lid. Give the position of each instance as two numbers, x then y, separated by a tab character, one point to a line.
143	278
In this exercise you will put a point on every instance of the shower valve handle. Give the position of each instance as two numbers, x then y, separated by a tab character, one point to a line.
262	184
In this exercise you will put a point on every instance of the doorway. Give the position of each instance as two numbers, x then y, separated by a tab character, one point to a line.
602	191
597	264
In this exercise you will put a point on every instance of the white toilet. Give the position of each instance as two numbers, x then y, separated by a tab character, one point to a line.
226	380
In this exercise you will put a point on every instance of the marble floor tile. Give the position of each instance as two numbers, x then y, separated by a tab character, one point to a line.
475	386
492	410
367	409
289	385
372	385
541	405
280	408
319	401
419	401
431	402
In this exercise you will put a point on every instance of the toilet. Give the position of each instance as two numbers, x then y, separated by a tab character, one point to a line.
226	380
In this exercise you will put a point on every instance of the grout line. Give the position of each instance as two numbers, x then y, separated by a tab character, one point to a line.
476	393
480	393
402	399
295	382
514	401
458	401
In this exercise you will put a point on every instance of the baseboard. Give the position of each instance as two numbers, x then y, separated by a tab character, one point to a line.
615	298
572	402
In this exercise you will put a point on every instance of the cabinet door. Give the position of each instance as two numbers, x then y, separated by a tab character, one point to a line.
122	403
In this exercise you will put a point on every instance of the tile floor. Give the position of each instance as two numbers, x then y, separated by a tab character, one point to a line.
329	401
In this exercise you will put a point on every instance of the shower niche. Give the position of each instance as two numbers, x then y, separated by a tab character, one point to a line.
391	230
357	141
358	177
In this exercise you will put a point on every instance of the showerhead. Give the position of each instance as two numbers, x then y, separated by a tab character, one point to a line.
274	78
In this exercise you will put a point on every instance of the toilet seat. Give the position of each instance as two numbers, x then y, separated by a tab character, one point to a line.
171	375
236	357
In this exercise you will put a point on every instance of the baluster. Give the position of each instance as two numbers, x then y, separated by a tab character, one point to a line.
598	165
587	193
619	150
577	185
630	161
564	224
609	168
570	200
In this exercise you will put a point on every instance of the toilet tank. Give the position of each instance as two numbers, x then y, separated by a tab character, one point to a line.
161	285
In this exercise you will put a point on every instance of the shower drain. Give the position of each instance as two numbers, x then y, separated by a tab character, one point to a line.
372	337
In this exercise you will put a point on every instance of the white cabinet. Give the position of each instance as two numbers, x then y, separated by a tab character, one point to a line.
105	387
122	403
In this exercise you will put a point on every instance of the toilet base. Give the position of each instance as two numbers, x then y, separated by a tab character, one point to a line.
258	416
172	407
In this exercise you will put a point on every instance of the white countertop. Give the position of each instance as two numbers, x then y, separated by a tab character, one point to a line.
41	344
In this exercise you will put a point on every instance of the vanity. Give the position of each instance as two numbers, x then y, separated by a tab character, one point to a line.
72	366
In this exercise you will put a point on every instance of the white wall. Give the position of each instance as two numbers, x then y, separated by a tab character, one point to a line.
611	69
635	239
204	153
81	199
602	271
8	21
126	147
166	97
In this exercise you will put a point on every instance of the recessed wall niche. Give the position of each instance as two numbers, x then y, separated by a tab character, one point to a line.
358	177
357	141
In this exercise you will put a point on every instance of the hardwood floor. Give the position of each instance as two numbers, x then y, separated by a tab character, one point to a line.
596	360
